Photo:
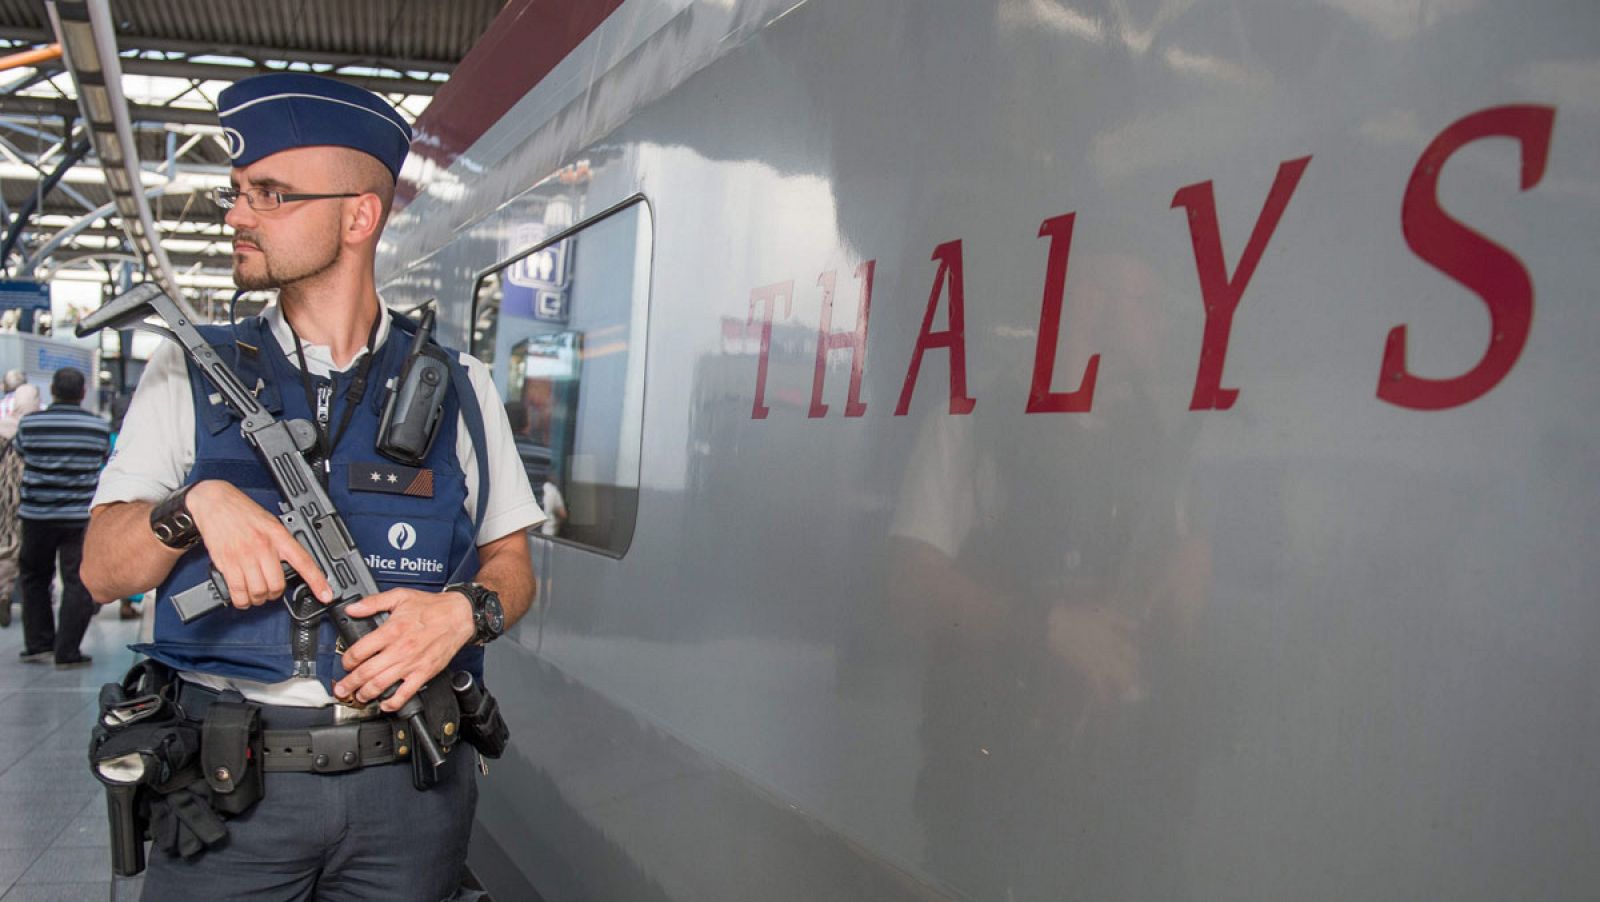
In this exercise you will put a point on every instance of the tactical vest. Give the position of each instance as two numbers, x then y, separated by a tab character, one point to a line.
418	537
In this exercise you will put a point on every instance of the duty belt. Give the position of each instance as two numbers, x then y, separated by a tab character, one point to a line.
335	748
323	748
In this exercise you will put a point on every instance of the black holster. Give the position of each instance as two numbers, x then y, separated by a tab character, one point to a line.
442	714
123	755
128	827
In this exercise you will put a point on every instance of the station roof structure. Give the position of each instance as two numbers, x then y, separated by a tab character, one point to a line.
175	56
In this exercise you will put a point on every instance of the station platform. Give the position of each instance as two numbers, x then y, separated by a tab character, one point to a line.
54	842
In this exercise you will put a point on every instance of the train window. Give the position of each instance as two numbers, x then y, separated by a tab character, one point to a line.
562	326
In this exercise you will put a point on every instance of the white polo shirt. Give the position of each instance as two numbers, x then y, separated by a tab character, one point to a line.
156	449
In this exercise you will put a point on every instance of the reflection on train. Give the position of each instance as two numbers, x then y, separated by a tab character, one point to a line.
557	326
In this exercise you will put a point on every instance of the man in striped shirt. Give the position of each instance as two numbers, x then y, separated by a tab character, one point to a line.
63	449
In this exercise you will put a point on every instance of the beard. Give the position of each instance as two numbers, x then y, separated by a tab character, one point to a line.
277	271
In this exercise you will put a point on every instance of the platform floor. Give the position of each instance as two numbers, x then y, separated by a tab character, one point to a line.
54	842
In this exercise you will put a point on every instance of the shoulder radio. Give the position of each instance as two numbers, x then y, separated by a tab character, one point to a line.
414	406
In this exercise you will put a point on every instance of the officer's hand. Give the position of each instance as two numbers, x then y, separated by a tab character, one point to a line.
247	544
1101	644
423	632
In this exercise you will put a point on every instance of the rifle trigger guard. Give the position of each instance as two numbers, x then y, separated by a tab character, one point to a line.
299	598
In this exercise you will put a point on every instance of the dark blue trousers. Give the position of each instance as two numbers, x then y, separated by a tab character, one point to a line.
366	834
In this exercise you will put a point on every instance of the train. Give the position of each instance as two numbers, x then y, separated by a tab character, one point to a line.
1035	449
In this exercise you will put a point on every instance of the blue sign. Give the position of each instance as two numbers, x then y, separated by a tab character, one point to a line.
536	286
49	359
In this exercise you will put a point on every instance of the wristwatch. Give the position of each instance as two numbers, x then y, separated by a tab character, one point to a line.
172	523
488	617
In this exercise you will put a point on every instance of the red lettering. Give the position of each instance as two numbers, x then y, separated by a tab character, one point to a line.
1220	291
954	338
856	341
1491	272
767	298
1040	398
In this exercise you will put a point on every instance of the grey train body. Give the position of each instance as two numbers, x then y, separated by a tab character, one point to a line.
1131	555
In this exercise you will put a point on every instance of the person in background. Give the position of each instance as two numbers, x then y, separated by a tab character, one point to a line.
13	380
555	508
63	448
21	400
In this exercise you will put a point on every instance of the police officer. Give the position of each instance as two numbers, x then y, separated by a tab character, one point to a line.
315	166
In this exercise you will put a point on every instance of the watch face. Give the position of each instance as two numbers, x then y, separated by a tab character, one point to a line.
493	616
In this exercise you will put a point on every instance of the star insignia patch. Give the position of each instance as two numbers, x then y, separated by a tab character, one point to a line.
391	479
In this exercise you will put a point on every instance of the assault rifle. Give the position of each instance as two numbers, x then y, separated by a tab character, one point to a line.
305	509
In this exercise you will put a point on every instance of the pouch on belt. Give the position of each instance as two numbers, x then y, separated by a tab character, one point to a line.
230	754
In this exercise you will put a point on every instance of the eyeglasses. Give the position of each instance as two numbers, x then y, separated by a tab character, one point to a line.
261	200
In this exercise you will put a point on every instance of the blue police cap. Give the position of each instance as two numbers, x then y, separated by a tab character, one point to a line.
265	114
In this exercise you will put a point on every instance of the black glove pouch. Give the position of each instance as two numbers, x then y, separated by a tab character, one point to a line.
182	821
230	754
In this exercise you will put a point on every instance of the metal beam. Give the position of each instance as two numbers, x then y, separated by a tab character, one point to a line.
220	72
249	51
20	221
57	106
185	69
83	223
88	39
181	234
27	81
